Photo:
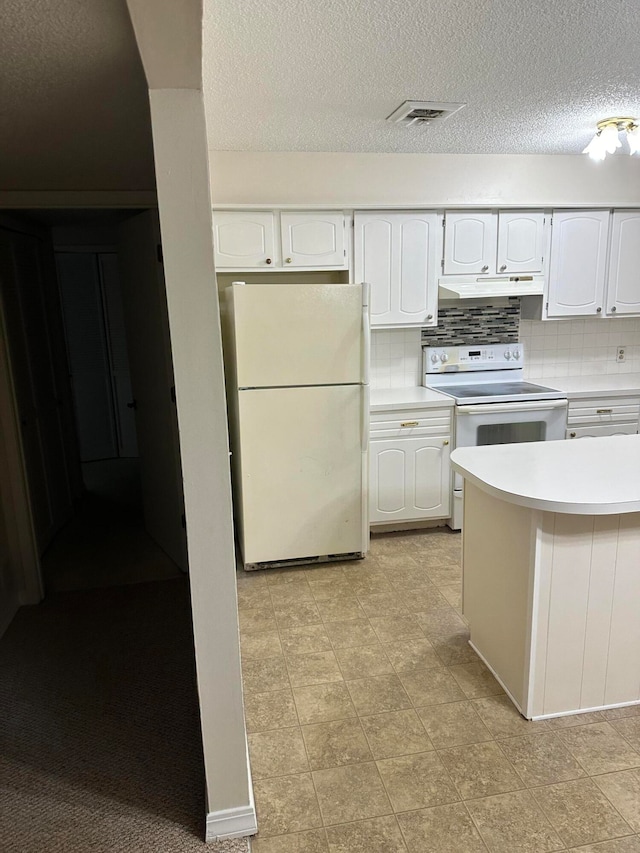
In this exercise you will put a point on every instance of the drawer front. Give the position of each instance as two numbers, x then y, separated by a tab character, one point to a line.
410	422
603	411
600	431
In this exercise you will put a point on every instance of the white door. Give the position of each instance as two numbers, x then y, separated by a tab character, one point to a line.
520	241
148	341
313	239
289	334
245	239
577	265
301	472
470	243
623	286
409	479
396	254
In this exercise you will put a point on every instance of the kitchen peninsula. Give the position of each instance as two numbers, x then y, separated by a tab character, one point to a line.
551	570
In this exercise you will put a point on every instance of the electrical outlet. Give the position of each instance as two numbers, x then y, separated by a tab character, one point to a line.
620	354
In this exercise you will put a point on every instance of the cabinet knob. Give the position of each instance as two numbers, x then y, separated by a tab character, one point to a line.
288	260
446	441
613	309
268	260
572	434
598	310
485	268
430	316
503	268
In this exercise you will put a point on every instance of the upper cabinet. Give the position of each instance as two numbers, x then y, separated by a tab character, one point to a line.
397	253
594	266
623	282
247	239
485	242
469	243
578	262
520	241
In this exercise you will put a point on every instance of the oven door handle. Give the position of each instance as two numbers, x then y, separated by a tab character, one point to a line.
497	408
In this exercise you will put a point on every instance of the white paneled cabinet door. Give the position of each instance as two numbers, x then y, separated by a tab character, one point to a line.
313	239
577	266
395	252
520	241
408	479
245	239
623	286
469	243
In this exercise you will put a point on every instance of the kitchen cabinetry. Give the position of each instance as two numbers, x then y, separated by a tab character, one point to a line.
396	253
486	242
409	473
623	280
593	417
577	264
267	239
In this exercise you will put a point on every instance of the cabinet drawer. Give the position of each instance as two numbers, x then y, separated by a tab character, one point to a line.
603	411
410	423
600	431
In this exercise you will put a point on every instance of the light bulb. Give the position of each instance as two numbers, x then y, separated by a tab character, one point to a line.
610	139
596	148
633	138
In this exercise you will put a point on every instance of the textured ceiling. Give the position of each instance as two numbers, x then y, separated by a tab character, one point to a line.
299	75
74	108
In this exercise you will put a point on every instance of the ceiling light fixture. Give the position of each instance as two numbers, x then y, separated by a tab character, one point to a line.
606	140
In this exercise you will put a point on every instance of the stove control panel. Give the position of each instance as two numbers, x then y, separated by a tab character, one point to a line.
440	359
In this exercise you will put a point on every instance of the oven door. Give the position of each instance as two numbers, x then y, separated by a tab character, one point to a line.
505	423
508	423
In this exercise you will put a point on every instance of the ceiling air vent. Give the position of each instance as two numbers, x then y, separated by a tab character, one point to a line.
423	112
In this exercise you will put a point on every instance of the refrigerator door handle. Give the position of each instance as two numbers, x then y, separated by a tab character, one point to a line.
366	334
364	419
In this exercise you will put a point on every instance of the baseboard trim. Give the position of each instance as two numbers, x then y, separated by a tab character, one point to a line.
231	823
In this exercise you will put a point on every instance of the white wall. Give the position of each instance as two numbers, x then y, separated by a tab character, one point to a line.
256	178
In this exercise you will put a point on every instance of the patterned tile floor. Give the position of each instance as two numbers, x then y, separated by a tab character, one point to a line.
374	728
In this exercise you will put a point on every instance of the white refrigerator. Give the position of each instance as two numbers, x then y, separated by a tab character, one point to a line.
299	420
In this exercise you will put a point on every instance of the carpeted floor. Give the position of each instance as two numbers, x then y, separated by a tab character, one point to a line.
99	731
105	544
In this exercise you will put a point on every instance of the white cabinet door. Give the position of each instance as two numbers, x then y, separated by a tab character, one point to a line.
623	285
470	243
409	479
396	253
245	239
313	239
577	265
520	241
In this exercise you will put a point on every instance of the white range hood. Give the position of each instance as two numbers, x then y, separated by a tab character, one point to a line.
484	288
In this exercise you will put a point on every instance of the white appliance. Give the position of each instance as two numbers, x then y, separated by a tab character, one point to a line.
299	415
493	402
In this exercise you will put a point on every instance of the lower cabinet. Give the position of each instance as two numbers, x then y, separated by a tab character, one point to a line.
409	472
595	417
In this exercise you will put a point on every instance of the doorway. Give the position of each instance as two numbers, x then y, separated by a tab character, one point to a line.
90	348
97	683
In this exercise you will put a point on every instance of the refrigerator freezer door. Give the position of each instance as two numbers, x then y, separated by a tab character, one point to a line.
298	334
301	466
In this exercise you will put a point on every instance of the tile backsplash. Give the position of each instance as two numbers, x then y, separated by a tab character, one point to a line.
554	348
493	323
580	347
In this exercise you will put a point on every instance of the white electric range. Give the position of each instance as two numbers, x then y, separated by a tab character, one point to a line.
494	404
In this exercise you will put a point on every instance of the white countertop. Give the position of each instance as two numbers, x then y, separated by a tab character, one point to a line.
604	385
383	399
598	476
